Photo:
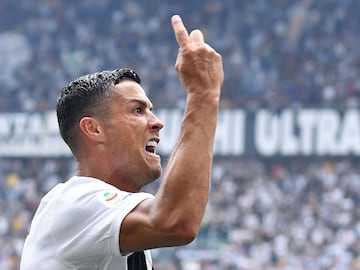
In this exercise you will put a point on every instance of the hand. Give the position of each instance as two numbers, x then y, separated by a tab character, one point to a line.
198	65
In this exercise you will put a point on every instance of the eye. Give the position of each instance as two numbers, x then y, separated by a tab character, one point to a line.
138	110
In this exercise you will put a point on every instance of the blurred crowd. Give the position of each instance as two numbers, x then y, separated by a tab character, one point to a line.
276	53
263	214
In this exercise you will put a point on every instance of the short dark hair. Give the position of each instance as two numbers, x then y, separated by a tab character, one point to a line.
82	96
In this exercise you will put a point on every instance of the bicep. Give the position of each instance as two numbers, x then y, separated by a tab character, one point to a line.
141	231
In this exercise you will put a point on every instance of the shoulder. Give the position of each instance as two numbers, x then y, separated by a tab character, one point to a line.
91	191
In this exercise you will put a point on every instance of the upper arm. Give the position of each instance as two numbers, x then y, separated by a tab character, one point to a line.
141	230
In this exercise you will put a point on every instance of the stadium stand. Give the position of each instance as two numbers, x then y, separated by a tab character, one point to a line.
298	213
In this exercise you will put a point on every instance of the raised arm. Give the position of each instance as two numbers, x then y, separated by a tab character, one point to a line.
174	216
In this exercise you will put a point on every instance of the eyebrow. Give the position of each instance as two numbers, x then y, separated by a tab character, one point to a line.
141	102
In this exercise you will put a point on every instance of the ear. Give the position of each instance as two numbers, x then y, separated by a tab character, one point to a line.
92	129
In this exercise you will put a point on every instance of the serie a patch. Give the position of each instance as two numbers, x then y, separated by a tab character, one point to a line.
112	196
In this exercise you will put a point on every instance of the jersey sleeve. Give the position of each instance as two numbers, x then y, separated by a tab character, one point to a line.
88	223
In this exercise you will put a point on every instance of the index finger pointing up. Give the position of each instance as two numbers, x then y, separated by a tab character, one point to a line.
180	31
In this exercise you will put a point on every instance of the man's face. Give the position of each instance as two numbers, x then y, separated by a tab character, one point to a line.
132	132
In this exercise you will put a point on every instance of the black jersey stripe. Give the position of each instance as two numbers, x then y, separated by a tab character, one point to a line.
136	261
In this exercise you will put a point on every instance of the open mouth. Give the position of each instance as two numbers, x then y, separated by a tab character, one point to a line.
151	147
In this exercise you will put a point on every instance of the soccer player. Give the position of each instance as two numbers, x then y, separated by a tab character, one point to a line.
99	219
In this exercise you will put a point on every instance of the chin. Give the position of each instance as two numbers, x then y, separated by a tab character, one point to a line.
155	174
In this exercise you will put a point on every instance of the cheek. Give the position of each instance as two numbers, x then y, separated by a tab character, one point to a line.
127	141
128	135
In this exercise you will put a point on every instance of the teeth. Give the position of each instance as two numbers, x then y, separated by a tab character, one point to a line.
152	143
151	147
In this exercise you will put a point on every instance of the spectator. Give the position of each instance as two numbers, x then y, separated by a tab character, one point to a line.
294	214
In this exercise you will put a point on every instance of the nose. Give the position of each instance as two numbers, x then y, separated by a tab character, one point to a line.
155	123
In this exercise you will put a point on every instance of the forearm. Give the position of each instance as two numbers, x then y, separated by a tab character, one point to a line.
183	193
180	203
